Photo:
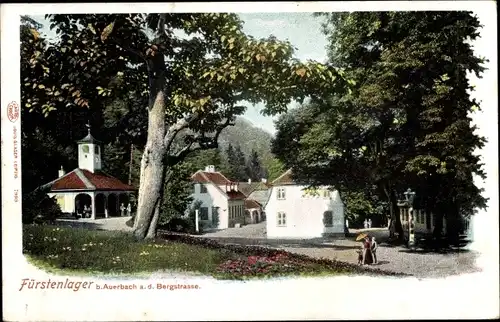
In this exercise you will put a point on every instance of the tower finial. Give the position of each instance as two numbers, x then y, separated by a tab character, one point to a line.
88	126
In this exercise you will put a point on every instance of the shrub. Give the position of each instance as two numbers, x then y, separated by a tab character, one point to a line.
39	208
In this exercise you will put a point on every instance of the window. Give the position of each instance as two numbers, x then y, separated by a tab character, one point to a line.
204	213
281	193
328	219
203	188
281	219
215	216
96	149
326	194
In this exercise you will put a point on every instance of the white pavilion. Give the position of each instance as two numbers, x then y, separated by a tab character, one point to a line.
87	191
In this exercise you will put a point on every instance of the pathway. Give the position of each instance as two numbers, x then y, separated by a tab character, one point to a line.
394	259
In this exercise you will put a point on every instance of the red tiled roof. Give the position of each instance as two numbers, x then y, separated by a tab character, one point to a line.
80	179
71	181
250	203
235	195
103	181
219	180
216	178
284	179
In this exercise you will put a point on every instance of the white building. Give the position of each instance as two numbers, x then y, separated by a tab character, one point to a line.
222	204
293	211
87	191
257	195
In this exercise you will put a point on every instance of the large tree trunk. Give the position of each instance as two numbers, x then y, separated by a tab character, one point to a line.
395	223
152	163
152	169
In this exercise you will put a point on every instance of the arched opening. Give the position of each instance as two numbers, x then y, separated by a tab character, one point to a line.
123	201
100	205
112	205
255	216
247	217
83	205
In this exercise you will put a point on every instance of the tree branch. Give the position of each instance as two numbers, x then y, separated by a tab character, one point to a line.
129	49
212	143
177	127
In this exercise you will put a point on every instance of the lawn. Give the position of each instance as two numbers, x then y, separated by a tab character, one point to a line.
91	252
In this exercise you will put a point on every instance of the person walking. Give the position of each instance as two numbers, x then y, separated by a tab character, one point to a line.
370	223
374	247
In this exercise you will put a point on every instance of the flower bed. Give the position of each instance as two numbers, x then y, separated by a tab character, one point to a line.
259	261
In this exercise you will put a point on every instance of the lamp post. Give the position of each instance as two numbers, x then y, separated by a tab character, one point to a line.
410	197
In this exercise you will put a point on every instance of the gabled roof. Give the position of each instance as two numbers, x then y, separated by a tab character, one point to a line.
261	196
235	195
284	179
249	188
80	179
218	179
250	203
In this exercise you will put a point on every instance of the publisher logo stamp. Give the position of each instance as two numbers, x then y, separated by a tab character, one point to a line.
13	111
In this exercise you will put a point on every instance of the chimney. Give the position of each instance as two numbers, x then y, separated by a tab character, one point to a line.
264	180
61	172
249	181
210	168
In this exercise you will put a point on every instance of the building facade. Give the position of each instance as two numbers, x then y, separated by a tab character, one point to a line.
294	211
222	204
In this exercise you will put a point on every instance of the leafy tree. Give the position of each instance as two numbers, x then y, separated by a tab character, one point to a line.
406	124
192	82
254	167
232	162
274	168
178	191
201	159
240	165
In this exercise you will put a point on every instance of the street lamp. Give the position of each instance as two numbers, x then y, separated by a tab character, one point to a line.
410	197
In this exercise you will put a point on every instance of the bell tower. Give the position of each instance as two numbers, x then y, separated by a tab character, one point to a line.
89	153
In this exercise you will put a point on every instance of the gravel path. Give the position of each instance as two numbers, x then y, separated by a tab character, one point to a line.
113	223
394	259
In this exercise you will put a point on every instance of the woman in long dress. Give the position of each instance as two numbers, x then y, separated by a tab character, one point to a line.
367	251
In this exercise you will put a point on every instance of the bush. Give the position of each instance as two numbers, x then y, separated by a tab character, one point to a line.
39	208
178	225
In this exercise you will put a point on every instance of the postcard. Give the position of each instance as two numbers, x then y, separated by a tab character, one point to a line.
249	161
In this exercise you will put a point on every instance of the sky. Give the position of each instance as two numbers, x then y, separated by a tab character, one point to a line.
300	28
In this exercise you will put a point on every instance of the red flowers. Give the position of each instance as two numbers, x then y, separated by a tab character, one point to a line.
261	265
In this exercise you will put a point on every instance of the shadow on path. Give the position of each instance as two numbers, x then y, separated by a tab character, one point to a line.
446	251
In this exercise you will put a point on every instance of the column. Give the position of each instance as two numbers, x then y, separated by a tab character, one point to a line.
106	214
117	204
92	198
